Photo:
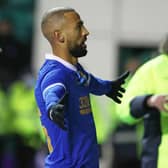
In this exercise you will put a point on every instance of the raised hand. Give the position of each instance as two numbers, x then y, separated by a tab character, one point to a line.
117	90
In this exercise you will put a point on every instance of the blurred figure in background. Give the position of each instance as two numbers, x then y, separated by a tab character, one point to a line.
12	57
26	129
146	100
124	137
19	141
105	121
6	150
7	158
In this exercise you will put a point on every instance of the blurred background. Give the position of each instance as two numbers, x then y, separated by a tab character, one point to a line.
123	35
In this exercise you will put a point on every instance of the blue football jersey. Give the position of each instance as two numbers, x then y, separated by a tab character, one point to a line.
77	146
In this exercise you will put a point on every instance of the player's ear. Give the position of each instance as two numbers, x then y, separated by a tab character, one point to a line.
59	36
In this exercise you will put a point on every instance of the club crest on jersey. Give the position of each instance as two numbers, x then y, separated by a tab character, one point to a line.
85	106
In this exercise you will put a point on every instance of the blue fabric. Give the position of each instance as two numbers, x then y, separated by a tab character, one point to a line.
53	95
76	147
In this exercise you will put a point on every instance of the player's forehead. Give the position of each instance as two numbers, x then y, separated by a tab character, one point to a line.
72	17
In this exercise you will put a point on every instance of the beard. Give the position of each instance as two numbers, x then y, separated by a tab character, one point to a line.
78	51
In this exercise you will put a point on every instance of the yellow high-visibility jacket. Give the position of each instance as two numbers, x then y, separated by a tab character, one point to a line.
151	78
25	119
4	114
104	112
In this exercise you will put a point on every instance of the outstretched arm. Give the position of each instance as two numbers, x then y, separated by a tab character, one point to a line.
117	90
54	94
158	101
141	105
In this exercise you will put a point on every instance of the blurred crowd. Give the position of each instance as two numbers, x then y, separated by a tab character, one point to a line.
22	142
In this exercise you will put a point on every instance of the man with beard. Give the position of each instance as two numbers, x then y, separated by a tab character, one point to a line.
62	93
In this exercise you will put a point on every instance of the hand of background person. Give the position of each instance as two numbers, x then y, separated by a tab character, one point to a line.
56	114
116	88
158	101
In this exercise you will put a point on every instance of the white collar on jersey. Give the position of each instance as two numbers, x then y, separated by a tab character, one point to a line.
65	63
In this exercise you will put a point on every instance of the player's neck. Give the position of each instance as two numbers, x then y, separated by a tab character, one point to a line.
66	56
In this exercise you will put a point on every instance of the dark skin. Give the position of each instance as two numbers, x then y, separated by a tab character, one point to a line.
71	33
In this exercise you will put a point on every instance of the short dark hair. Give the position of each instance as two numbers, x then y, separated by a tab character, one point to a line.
54	13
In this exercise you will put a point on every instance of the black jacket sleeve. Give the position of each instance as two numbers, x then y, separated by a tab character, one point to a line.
139	107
